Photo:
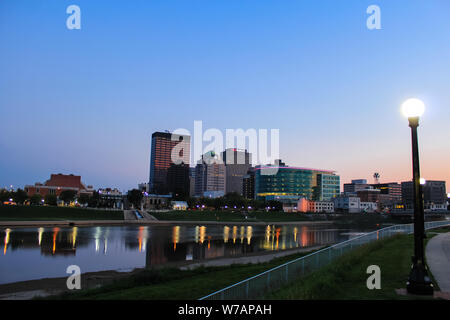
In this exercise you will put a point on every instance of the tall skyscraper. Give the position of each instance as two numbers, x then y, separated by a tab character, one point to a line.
237	163
167	149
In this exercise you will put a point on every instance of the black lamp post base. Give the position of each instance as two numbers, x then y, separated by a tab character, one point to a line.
419	282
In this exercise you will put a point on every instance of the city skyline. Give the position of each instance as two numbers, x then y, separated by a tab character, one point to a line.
87	101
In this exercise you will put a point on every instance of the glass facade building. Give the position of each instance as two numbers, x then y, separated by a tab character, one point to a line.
293	182
328	187
163	145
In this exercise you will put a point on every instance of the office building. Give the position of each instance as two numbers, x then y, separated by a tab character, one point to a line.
283	183
355	186
369	195
166	149
434	194
191	181
248	184
237	163
178	182
328	187
305	205
392	190
210	176
347	204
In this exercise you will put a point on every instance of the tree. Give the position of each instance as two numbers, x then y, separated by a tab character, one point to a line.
68	196
5	195
135	197
93	201
218	203
36	199
50	199
275	205
20	196
83	199
192	202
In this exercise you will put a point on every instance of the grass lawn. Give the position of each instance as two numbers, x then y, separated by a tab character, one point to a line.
43	213
345	278
170	283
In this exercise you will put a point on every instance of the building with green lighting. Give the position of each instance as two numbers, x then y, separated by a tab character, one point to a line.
285	183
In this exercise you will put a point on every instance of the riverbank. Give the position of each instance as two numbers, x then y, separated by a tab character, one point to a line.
90	223
50	213
200	276
46	216
345	278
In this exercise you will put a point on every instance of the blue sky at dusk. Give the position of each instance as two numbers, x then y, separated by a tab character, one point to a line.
87	101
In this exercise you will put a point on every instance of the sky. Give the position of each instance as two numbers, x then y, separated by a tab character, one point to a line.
87	101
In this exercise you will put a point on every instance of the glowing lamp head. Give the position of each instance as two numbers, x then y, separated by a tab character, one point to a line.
413	108
423	181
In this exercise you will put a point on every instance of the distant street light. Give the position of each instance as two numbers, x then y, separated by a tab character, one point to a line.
418	281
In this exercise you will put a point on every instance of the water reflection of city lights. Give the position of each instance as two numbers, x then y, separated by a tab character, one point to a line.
6	240
295	236
142	237
74	236
242	234
234	234
98	232
202	234
175	236
277	236
267	234
196	234
55	233
304	237
105	247
267	244
40	233
283	236
226	234
249	234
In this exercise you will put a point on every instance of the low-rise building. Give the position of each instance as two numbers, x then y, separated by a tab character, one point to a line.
179	205
156	201
347	203
113	198
305	205
368	207
57	184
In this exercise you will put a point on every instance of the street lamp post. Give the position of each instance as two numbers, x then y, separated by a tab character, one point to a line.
418	282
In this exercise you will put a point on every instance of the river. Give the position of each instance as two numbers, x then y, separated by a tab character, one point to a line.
46	252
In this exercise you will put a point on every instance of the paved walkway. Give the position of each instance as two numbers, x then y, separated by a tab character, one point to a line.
438	259
255	258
